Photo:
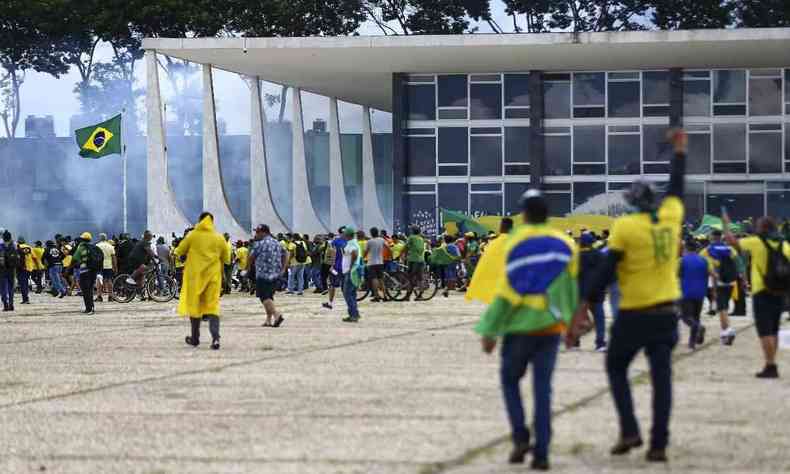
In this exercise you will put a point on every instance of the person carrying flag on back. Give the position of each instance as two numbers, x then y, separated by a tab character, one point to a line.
535	298
643	253
725	275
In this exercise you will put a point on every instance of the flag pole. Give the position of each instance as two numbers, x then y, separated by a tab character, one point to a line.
123	159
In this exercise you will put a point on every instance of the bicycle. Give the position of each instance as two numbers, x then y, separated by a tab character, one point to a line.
158	286
396	284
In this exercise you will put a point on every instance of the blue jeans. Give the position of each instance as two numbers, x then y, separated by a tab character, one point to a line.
600	324
296	278
7	287
350	295
56	278
517	352
23	278
614	298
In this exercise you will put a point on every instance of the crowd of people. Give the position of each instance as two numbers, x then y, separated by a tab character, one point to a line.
543	283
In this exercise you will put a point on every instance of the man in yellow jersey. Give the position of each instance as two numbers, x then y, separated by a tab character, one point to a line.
38	264
770	283
643	253
26	267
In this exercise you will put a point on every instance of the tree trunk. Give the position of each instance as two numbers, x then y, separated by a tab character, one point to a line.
16	85
283	97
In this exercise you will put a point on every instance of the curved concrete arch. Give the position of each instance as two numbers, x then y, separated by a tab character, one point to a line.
164	215
372	216
214	198
262	207
339	212
305	219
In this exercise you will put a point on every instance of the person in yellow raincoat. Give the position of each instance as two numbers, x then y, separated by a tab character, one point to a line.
483	285
206	252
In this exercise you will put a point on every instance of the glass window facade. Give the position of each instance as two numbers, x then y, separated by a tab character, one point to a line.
600	130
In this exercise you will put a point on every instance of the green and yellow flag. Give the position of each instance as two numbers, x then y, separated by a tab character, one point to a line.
101	139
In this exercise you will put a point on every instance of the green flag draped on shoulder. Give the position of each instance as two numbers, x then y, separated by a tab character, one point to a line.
101	139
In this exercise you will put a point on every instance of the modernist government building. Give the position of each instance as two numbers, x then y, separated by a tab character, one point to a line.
476	119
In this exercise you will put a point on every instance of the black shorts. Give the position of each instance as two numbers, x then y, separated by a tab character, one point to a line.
767	313
691	308
416	268
265	289
723	296
108	274
375	272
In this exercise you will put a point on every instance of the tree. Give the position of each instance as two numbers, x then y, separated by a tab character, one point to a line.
763	13
28	31
684	14
427	17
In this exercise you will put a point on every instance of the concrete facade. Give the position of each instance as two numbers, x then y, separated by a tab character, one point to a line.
305	219
339	211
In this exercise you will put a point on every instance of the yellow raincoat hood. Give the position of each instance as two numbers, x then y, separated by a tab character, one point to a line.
206	253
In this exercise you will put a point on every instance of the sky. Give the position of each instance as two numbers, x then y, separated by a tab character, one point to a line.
43	94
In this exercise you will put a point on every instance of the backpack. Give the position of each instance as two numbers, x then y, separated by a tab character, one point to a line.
728	272
95	258
777	269
9	258
300	253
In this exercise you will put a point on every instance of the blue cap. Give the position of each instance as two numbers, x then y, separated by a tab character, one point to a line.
587	239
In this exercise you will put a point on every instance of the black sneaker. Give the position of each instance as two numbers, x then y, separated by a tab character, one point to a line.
771	371
279	321
350	320
326	305
701	335
625	445
191	342
540	464
89	312
519	452
656	455
215	345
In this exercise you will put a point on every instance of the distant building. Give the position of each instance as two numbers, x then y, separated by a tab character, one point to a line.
39	127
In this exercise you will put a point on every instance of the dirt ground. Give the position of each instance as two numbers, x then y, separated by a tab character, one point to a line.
406	390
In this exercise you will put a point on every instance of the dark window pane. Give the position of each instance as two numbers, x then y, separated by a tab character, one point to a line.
624	99
624	154
420	131
589	89
696	98
559	204
729	110
421	102
453	145
516	89
486	131
729	86
454	196
557	186
486	101
787	140
654	143
517	170
517	144
765	97
779	204
493	187
698	160
591	194
453	171
765	153
765	126
558	155
452	90
557	99
450	114
656	168
739	206
422	211
732	167
589	112
655	110
485	204
513	192
589	169
560	76
694	201
421	188
655	87
589	144
420	156
486	156
729	142
517	113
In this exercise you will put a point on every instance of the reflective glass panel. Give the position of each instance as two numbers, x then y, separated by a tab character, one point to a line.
517	89
765	97
485	154
558	155
453	145
765	152
517	144
729	142
624	154
452	90
420	156
624	99
557	99
589	144
696	98
421	102
486	101
589	89
729	86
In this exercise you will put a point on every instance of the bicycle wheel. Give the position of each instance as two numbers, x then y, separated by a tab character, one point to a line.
429	286
122	291
397	286
363	291
161	288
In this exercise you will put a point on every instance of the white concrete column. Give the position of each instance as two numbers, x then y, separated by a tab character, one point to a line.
164	216
214	199
371	209
305	220
263	210
340	214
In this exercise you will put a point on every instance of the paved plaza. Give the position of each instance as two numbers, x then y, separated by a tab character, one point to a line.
407	390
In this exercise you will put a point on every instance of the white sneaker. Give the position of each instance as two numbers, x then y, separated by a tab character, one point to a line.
130	281
727	336
601	349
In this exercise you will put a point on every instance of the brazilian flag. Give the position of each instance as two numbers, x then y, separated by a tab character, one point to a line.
101	139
